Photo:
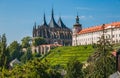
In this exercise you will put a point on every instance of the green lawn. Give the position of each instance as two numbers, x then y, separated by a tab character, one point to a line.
61	55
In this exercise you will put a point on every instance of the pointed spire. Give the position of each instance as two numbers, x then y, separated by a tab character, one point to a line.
60	23
44	20
52	21
44	17
52	13
35	25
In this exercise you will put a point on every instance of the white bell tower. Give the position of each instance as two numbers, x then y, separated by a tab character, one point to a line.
77	27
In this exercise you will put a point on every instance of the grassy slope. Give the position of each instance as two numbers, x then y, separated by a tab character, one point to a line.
61	55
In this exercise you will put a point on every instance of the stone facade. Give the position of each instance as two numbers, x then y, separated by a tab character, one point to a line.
53	32
43	49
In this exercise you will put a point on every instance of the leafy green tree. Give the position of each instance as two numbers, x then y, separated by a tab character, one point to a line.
32	69
15	50
26	42
38	41
74	69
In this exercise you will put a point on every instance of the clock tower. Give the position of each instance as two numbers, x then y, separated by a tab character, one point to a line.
77	27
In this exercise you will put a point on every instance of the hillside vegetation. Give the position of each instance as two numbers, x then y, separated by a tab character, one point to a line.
61	55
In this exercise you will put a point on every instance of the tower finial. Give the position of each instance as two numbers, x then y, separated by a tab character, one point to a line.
77	18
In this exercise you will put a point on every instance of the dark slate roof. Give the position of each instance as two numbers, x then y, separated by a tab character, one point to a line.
60	23
52	22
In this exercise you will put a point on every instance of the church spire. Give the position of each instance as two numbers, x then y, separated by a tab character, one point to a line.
52	13
61	24
52	21
44	20
35	25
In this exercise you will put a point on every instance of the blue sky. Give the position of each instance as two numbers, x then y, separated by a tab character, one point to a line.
17	17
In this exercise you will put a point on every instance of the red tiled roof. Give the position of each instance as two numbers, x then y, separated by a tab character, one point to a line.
98	28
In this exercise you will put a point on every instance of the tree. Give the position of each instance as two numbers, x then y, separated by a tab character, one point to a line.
53	73
74	69
38	41
3	51
15	50
27	55
26	42
102	61
32	69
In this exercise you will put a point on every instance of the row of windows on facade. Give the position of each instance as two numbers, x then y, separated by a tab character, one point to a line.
96	38
107	36
81	43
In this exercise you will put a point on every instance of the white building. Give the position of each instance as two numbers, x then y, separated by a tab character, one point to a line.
92	34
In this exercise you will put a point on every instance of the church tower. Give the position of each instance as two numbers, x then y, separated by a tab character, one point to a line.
77	27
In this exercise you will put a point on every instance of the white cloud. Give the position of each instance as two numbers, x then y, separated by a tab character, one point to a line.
86	17
83	8
82	17
63	17
68	17
73	17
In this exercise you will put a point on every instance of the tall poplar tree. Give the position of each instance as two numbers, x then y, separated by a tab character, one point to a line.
3	51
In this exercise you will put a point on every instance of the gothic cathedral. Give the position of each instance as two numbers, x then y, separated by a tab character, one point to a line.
53	32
